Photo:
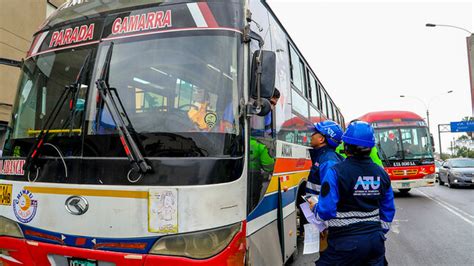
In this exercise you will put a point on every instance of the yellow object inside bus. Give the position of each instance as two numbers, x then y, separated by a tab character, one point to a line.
36	132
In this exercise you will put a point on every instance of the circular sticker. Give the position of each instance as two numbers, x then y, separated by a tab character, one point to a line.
210	119
24	206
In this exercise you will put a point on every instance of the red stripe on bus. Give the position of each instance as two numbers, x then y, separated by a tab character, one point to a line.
207	14
283	165
33	45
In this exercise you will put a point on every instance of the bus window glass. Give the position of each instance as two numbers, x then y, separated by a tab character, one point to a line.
389	143
332	111
299	104
296	130
314	115
324	103
42	82
186	85
297	74
314	91
416	143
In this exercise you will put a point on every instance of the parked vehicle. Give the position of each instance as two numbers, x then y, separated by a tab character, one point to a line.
457	172
438	165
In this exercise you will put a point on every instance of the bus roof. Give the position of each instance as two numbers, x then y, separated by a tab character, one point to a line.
389	116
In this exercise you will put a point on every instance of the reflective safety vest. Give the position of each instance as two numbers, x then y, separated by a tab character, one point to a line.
374	155
356	198
260	158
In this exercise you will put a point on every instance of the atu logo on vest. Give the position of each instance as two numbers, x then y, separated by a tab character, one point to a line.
367	182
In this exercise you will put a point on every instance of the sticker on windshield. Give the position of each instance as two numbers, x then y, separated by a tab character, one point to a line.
210	119
5	194
24	206
163	211
12	167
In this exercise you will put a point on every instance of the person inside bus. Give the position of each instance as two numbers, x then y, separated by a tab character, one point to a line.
199	113
390	145
357	203
324	140
261	165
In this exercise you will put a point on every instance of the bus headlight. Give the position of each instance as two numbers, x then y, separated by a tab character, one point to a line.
430	176
199	245
9	228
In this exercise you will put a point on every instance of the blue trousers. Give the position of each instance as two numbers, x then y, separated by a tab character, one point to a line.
364	249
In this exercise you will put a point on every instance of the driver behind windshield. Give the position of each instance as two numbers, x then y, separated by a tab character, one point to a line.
199	113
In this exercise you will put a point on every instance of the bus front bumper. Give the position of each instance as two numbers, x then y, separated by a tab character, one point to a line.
14	251
413	183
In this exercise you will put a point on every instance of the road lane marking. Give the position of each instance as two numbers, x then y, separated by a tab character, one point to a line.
444	205
452	206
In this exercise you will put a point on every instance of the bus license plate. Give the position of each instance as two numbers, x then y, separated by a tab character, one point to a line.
81	262
406	184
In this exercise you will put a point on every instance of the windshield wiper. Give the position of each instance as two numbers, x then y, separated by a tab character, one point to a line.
76	89
384	156
132	151
71	91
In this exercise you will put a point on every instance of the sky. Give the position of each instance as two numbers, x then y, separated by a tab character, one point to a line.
368	53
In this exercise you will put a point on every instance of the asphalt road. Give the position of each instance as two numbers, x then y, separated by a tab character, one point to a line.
432	226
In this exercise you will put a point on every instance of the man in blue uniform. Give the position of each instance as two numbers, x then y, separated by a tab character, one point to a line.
326	137
356	200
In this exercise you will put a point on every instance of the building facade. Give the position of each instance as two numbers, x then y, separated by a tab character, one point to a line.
18	22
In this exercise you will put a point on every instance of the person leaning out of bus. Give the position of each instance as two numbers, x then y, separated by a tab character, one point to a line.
356	200
325	138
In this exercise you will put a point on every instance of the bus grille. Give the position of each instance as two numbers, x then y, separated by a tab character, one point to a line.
405	172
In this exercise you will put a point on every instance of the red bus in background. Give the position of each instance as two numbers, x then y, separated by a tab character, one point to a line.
405	146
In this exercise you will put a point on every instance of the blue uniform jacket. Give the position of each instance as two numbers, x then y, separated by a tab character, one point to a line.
356	198
322	160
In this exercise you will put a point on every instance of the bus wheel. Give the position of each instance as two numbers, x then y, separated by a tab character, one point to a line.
404	191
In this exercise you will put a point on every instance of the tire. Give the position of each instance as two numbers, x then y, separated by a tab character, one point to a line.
404	191
450	185
441	182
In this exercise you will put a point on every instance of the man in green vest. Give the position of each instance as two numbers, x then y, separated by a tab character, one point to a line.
373	154
260	159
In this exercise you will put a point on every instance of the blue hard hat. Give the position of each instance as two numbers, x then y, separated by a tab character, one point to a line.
331	131
359	133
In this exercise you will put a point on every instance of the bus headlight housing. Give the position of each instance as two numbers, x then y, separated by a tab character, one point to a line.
9	228
198	245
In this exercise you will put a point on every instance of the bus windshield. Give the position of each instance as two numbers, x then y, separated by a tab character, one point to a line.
404	143
180	92
43	80
170	85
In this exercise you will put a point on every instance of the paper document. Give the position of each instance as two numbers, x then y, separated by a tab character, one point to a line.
311	218
311	239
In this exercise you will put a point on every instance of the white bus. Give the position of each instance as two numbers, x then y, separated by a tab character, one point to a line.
139	132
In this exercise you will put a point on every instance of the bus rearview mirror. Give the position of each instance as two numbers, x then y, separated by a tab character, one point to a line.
265	67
